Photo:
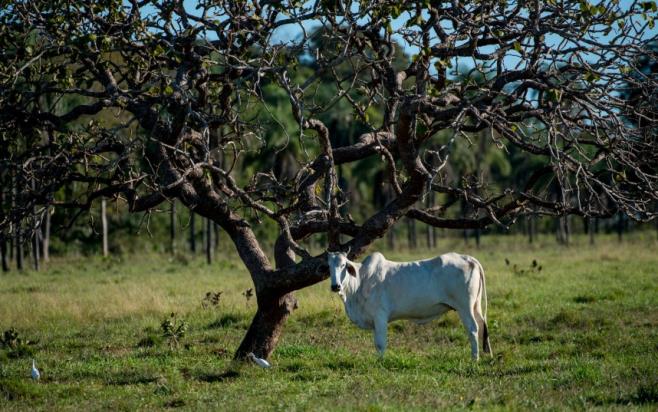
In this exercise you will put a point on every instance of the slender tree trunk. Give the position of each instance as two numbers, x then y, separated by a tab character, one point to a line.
208	241
390	239
590	227
45	244
3	254
35	249
172	227
216	236
192	232
3	242
106	250
19	247
531	229
18	238
411	233
566	229
431	231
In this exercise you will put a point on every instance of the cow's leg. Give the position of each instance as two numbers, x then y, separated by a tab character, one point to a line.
471	325
381	329
482	329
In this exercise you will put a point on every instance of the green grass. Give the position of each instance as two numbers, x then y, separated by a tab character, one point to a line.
580	333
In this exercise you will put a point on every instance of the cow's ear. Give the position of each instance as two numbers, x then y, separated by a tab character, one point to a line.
351	269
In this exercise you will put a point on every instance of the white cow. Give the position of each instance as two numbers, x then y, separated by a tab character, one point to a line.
379	291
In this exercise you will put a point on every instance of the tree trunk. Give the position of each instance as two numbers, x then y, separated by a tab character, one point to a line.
566	229
45	244
3	242
620	226
431	231
411	233
172	227
35	249
531	229
192	232
266	327
590	227
19	247
216	236
209	241
106	250
3	254
390	239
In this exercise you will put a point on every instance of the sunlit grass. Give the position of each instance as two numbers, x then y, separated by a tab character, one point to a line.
582	332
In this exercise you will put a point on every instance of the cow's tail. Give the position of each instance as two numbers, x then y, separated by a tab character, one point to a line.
486	346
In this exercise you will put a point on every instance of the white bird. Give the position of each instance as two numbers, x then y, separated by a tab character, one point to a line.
35	372
258	361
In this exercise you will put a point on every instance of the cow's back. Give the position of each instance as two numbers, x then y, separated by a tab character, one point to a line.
420	289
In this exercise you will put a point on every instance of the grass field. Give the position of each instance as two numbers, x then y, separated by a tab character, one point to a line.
580	333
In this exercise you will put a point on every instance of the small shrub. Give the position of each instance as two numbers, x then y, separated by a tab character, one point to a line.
15	345
248	294
173	329
211	299
534	267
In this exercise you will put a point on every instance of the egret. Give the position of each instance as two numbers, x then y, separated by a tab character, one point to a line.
258	361
35	372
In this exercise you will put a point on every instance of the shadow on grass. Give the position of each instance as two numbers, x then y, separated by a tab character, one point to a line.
131	378
229	320
645	394
15	389
217	377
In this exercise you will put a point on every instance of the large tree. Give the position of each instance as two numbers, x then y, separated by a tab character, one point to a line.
164	99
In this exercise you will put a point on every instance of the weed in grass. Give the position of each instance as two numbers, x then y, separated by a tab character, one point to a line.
211	299
173	329
15	346
534	267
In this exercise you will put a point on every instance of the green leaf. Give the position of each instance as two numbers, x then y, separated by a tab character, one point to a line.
158	51
517	47
168	90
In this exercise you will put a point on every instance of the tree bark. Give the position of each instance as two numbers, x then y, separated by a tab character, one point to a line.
266	326
106	251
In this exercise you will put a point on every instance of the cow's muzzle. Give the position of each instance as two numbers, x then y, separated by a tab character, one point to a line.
335	288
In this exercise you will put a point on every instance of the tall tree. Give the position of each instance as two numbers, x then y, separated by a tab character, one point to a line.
180	76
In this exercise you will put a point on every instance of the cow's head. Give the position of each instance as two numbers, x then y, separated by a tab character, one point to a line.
339	268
